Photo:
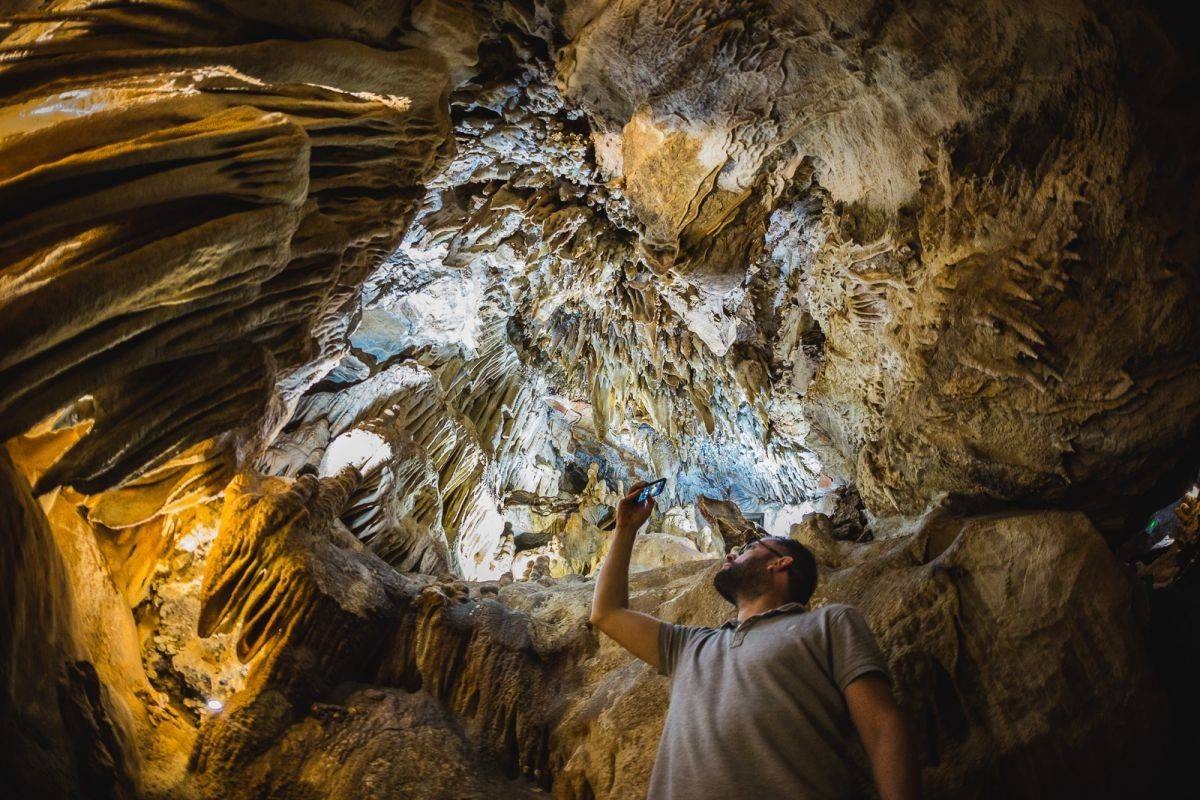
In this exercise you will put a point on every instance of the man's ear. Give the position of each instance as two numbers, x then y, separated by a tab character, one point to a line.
783	562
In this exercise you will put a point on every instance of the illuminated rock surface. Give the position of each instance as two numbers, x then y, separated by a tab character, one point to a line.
331	333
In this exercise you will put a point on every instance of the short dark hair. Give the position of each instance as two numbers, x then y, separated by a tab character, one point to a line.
802	574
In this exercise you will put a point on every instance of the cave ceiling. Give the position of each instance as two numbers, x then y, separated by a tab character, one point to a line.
765	248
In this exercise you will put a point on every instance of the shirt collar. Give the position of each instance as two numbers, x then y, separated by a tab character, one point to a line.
787	608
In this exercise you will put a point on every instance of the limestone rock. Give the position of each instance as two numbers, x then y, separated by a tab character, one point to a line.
308	602
815	532
190	204
381	743
963	239
727	521
1004	633
805	285
36	637
78	714
654	550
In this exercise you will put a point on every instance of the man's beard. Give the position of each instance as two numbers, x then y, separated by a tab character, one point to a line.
743	581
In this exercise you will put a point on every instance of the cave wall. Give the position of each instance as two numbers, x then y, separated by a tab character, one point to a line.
194	194
929	254
65	731
1006	211
1001	633
833	236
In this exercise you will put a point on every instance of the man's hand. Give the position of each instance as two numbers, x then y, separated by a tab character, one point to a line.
632	515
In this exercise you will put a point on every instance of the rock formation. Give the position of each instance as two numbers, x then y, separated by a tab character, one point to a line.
307	601
331	333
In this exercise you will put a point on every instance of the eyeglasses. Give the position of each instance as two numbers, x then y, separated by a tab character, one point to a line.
746	547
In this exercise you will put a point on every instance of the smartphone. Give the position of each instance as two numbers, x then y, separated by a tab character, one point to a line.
653	490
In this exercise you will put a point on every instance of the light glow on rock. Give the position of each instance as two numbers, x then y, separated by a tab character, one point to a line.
355	448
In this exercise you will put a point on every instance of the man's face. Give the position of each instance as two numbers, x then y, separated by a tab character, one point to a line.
744	574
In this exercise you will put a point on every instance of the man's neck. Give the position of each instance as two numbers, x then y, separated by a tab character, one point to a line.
757	605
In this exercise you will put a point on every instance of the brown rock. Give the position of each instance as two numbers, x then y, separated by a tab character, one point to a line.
726	519
189	208
381	743
309	604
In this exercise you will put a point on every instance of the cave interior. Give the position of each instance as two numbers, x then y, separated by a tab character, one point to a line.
333	331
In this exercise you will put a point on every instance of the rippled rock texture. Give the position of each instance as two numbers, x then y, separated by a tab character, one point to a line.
193	194
331	332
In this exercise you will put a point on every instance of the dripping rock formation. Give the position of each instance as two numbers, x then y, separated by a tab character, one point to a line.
331	334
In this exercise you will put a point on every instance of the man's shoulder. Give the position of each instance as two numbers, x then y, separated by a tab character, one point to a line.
692	631
836	613
834	610
705	630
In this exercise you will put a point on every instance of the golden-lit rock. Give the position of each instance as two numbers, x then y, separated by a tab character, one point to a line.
190	204
307	600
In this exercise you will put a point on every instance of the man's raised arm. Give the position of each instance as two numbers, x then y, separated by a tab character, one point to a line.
636	632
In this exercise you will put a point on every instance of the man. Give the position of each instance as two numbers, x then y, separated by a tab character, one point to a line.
763	707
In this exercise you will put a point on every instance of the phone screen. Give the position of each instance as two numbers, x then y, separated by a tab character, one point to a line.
653	490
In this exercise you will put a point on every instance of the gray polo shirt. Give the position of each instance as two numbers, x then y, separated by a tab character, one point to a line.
757	709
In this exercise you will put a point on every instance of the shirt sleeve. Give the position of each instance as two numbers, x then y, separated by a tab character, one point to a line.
853	647
672	641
